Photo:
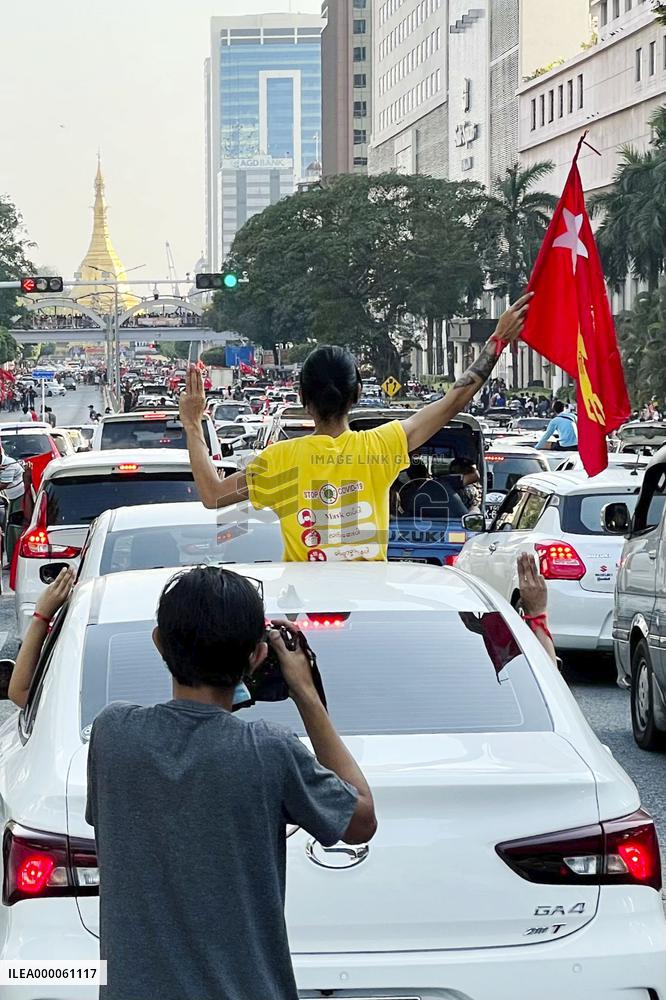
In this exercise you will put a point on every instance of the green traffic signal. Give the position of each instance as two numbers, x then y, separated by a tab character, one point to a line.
215	282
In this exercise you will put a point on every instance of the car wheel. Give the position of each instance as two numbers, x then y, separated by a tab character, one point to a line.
646	734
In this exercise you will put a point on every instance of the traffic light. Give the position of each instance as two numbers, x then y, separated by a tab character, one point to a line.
38	285
227	280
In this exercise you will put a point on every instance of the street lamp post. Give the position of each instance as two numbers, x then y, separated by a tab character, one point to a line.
113	363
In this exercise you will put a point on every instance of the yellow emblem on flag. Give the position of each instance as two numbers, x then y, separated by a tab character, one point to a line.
593	404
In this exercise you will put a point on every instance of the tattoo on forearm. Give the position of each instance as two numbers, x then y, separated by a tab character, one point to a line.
481	370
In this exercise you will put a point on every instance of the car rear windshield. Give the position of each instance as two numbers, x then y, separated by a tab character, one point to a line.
229	411
80	499
581	514
532	423
507	470
295	432
146	432
383	672
26	445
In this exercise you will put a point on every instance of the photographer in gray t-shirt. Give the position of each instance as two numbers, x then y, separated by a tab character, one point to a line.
190	805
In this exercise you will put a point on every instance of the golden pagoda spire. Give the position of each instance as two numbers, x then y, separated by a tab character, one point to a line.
102	260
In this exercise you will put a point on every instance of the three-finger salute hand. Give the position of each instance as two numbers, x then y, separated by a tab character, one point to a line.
192	402
511	324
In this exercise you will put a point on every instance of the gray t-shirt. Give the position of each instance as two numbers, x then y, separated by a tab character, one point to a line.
189	805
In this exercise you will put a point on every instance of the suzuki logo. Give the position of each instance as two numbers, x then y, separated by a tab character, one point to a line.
339	856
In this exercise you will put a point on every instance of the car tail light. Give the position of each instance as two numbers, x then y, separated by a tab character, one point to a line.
450	560
38	864
128	467
217	457
331	619
36	544
560	561
617	852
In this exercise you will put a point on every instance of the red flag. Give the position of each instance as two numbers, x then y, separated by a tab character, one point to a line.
570	322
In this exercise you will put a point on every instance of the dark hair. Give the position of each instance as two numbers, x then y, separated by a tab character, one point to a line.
210	621
330	382
558	406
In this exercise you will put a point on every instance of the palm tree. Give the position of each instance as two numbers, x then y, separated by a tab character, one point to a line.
517	217
632	234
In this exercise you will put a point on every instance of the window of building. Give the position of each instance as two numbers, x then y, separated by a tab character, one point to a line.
542	110
361	79
439	80
581	95
551	105
360	109
603	13
569	96
653	58
360	53
616	8
360	136
639	65
664	47
360	161
560	101
359	4
533	118
360	26
628	4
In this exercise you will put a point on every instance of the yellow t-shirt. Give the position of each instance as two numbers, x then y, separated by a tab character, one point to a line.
331	494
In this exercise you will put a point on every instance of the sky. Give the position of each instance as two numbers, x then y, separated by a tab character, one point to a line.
125	78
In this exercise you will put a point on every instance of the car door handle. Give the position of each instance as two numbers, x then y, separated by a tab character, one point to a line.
652	556
492	547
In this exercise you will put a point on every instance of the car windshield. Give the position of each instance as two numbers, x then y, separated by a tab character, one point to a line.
581	514
147	432
230	431
506	470
383	673
190	545
229	411
80	499
26	445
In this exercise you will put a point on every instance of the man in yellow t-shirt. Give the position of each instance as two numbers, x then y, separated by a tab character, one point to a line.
331	494
331	489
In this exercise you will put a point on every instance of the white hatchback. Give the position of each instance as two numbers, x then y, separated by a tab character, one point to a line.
558	516
179	534
512	859
75	491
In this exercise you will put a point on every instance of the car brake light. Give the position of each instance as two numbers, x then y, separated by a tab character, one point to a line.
36	544
450	560
155	416
335	619
559	561
128	467
38	864
617	852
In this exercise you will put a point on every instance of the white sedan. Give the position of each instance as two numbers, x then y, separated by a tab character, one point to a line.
558	516
178	534
512	860
76	490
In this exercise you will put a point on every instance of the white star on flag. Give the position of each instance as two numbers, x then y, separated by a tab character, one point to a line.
570	239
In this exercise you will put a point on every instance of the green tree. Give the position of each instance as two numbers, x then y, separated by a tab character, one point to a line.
9	349
632	233
14	261
349	262
214	356
512	224
641	336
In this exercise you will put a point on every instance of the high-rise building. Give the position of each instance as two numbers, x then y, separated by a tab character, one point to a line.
410	120
263	118
346	70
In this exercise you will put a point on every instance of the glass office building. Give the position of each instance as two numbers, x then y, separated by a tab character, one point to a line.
263	131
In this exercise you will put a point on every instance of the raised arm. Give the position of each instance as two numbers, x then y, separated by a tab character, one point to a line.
426	422
50	601
214	492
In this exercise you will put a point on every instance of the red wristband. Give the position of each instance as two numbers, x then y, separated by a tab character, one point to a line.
42	618
538	624
499	344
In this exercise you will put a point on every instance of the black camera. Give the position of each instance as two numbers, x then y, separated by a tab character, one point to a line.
267	682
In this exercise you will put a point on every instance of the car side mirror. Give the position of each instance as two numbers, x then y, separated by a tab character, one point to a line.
6	671
474	523
615	518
